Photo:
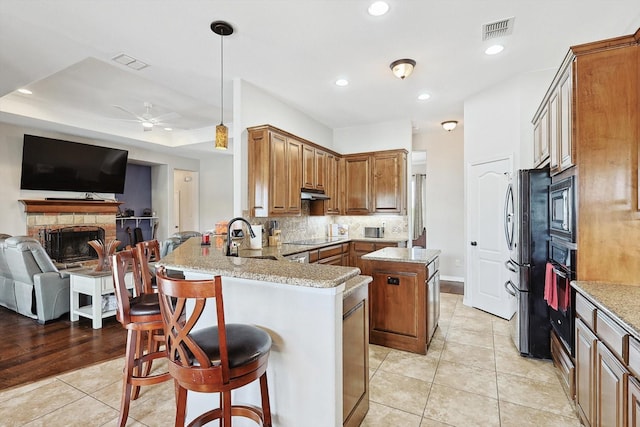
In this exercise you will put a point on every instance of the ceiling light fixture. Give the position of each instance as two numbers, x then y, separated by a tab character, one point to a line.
223	29
494	50
423	96
449	125
342	82
378	8
402	68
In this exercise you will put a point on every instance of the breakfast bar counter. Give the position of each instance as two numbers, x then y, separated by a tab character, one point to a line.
301	307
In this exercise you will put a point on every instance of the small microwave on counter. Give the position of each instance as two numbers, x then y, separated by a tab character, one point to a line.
562	218
374	232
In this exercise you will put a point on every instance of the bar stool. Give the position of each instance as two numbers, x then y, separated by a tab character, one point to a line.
214	359
148	251
140	316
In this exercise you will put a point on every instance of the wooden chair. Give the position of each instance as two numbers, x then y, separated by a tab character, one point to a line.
140	315
214	359
148	251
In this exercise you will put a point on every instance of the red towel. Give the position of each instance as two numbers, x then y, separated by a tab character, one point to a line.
550	290
563	302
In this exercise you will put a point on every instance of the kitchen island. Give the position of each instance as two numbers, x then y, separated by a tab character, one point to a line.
404	297
301	307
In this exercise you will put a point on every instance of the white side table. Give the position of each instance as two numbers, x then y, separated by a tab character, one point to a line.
95	284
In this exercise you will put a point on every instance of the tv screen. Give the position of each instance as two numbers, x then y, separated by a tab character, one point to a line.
53	164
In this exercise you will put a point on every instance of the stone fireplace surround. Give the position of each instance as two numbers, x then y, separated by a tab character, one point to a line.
57	214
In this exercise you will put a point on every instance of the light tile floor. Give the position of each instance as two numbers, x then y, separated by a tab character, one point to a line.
472	375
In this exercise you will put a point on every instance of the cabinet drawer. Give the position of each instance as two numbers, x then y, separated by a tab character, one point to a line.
586	311
634	356
313	256
329	251
612	335
364	247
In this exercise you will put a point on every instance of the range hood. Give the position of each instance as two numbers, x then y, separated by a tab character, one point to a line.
313	195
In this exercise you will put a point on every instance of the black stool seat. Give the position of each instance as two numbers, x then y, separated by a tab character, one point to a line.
245	343
144	305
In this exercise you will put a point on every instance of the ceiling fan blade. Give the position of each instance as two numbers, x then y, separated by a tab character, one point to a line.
166	117
129	112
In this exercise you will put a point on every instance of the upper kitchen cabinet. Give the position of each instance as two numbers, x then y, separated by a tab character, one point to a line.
314	168
389	181
275	172
334	188
553	122
357	182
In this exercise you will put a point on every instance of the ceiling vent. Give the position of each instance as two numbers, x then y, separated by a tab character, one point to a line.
501	28
130	62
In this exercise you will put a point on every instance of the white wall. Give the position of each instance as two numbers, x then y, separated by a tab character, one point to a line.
445	198
377	137
12	216
217	195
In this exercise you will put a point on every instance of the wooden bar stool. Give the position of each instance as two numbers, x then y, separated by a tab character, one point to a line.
140	316
214	359
148	251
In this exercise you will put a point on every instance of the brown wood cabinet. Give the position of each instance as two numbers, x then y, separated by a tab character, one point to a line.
333	188
585	356
331	255
389	181
314	168
357	181
404	307
355	357
359	248
611	381
633	417
275	173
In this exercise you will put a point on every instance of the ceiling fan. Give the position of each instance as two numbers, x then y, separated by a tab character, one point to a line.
148	120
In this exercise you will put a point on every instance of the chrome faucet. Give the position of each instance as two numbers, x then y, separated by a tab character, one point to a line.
228	245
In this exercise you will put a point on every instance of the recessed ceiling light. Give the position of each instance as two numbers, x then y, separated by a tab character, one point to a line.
423	96
342	82
495	49
168	129
378	8
25	91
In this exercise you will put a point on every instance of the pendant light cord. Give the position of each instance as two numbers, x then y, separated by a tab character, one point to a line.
221	79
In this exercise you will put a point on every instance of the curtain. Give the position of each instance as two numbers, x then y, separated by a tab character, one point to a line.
418	204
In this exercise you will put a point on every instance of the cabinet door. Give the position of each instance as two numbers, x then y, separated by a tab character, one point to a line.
554	149
395	303
331	182
585	357
633	403
389	180
565	121
355	362
320	160
433	304
541	139
279	175
611	381
357	185
308	167
294	175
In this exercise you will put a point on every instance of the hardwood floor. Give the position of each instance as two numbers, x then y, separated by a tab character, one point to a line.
30	352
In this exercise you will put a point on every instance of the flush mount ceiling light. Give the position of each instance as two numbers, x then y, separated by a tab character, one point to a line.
402	68
449	125
378	8
223	29
342	82
423	96
494	50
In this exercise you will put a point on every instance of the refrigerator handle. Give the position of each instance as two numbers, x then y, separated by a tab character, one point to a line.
510	288
508	217
510	266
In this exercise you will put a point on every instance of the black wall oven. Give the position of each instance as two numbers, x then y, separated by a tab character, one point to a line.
562	260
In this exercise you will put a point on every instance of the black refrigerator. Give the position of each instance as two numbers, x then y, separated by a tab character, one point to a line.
527	235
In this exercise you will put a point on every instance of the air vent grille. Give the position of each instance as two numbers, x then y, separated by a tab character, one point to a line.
501	28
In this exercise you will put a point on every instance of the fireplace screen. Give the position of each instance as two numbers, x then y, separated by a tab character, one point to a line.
69	244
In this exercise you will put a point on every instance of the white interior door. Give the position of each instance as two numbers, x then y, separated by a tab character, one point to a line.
487	251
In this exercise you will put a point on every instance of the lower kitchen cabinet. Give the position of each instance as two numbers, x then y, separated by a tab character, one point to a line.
331	255
585	346
355	357
633	402
611	381
359	248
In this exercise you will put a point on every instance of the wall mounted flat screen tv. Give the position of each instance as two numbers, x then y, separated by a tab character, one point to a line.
53	164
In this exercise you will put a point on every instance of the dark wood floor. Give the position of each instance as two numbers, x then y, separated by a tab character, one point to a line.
30	352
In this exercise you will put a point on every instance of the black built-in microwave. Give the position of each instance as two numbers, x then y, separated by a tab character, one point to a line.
562	218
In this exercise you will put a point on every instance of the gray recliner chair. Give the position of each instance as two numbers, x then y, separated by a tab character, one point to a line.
7	288
42	292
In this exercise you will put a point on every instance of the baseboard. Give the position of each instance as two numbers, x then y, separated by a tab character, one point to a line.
452	278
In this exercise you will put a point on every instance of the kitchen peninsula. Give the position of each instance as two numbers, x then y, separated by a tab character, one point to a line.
301	307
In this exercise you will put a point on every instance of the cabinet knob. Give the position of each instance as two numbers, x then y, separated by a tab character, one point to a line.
474	243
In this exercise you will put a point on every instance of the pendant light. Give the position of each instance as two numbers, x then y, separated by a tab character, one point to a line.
223	29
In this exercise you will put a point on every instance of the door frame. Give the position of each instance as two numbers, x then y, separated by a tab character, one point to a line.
467	297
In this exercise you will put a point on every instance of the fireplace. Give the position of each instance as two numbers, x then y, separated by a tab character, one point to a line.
69	244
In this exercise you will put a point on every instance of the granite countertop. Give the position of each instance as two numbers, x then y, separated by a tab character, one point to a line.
412	255
191	256
621	302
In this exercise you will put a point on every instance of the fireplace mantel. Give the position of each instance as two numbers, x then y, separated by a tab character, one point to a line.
70	206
